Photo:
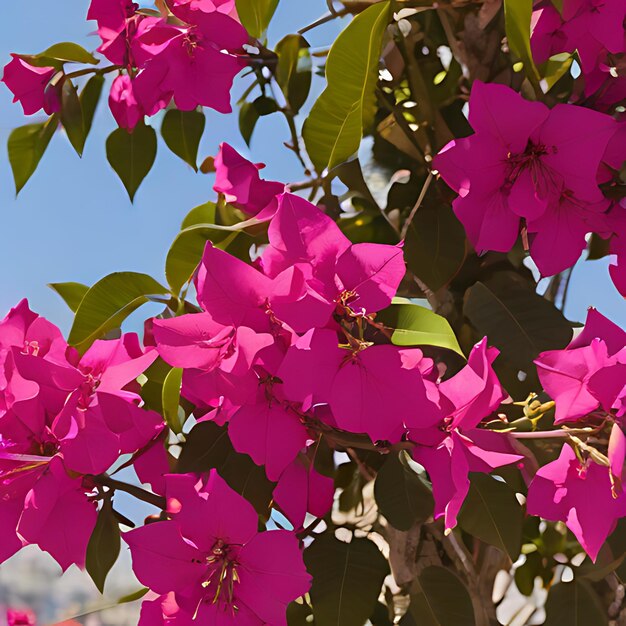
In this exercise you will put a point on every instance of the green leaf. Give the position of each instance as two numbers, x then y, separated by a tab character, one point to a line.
435	245
171	398
108	303
345	110
182	131
132	155
517	14
347	579
104	545
294	70
133	597
248	117
185	253
265	105
418	326
72	116
401	495
492	514
440	598
26	146
555	68
89	99
202	214
72	293
208	447
520	323
256	15
574	604
59	53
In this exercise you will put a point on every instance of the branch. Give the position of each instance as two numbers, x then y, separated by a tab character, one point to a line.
141	494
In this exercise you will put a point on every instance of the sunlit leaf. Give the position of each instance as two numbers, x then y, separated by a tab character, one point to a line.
72	293
345	110
256	15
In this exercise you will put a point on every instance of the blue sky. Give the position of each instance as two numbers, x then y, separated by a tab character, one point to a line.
73	221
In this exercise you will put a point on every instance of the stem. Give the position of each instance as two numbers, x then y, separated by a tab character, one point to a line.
420	199
551	434
141	494
328	17
94	70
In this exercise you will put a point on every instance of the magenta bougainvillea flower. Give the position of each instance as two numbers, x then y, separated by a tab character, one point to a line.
17	617
592	29
123	103
585	495
30	86
238	179
587	375
213	561
527	162
455	446
189	63
63	418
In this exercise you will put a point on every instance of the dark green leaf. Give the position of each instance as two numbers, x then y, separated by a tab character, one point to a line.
574	604
297	614
108	303
345	110
265	105
598	248
59	53
132	155
104	545
89	99
208	447
440	599
294	70
26	146
72	116
492	514
435	245
248	117
256	15
555	68
517	15
72	293
182	131
347	579
520	323
417	326
400	494
171	398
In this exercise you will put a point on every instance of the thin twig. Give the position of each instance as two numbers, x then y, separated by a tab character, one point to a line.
328	17
414	210
133	490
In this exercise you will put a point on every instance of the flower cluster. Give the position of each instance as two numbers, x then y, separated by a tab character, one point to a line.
64	420
595	30
210	564
290	346
189	57
536	170
584	487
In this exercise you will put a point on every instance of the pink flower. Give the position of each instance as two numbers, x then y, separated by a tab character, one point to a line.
597	355
124	106
301	490
31	86
365	389
454	447
117	24
238	179
20	618
582	494
527	162
212	559
189	63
